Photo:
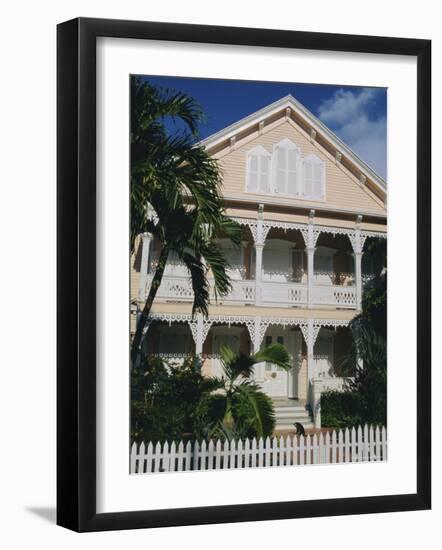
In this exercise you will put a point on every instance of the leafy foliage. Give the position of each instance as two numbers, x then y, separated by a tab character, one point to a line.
364	400
175	403
239	408
374	298
164	400
176	178
340	409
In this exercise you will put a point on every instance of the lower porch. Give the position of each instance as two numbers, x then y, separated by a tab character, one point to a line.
316	352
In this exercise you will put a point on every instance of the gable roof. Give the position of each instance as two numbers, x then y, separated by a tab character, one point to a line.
330	139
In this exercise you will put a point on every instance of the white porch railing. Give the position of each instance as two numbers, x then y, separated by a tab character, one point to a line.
367	444
335	383
243	291
179	289
285	294
173	359
334	295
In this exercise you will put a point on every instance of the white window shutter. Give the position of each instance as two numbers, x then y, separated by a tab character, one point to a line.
253	175
313	176
308	179
317	181
281	170
264	183
292	171
258	170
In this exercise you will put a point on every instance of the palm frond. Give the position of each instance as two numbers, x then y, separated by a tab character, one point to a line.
276	354
227	355
232	230
200	284
150	103
218	265
261	411
215	410
239	364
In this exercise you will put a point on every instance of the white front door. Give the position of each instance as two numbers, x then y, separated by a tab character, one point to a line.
277	381
323	354
220	339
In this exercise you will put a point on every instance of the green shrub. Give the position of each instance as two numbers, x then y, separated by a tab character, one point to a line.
340	409
164	400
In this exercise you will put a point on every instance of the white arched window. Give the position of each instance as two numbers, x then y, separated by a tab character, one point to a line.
258	170
285	172
285	168
313	177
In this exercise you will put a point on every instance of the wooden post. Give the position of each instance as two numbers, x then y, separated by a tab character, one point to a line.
146	240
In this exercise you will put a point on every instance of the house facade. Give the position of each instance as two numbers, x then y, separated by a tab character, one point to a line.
308	206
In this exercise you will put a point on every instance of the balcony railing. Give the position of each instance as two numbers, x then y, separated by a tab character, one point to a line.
283	294
278	294
334	295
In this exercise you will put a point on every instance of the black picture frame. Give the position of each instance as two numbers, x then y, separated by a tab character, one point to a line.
76	274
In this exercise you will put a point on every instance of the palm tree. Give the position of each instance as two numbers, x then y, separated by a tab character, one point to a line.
366	369
180	182
238	407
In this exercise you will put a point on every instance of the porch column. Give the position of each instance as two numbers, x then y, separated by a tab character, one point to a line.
259	247
199	328
199	334
310	275
310	345
291	380
259	372
258	272
310	332
358	276
310	245
146	240
316	389
357	243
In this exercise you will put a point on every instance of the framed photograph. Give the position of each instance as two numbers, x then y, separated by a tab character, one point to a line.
226	200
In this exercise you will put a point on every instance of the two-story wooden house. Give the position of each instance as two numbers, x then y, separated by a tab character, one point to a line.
308	205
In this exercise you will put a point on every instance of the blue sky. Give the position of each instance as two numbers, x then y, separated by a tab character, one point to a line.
356	114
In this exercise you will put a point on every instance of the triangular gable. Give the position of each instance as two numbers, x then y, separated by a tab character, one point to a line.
289	109
344	192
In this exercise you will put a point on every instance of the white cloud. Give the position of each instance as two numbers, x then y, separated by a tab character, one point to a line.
347	114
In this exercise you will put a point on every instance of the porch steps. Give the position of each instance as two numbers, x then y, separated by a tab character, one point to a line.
289	411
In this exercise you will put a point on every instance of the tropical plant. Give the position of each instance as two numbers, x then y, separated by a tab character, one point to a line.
237	407
340	409
165	398
364	399
374	298
175	179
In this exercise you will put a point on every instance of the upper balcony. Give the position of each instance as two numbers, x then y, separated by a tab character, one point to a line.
282	265
272	294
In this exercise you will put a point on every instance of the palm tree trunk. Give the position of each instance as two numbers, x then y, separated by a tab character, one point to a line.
156	281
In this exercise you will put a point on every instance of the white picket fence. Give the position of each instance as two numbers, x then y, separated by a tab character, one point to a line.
367	444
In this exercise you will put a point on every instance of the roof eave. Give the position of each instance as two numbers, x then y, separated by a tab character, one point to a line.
285	102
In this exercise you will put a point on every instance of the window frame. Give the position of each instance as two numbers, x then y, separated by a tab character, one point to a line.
288	145
314	159
260	150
